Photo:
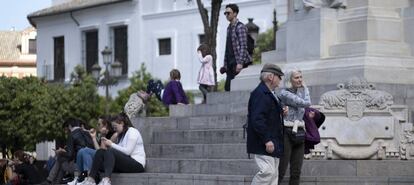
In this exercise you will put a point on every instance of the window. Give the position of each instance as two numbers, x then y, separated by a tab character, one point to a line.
32	46
91	46
202	38
59	59
121	47
164	46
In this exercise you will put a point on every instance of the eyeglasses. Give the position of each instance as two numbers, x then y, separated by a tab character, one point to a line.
227	13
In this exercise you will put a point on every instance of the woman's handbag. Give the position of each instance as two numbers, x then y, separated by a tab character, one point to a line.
298	137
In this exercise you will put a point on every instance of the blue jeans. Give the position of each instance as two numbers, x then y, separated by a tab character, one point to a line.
84	159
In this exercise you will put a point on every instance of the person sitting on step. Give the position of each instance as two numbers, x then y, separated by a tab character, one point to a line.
173	93
127	155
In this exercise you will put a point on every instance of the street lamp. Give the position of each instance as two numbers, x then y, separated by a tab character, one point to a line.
110	76
252	29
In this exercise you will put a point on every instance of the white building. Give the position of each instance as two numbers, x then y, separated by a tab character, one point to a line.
163	34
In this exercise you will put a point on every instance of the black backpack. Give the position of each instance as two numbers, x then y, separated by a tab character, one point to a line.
250	44
250	50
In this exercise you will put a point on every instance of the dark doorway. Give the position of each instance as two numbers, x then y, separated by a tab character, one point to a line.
121	47
92	53
59	59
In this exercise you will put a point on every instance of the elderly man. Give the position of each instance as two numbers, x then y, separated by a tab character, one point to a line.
265	126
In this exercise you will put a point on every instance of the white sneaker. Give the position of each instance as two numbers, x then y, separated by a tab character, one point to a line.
75	180
105	181
87	181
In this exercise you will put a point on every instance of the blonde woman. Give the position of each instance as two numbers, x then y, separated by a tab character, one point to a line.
296	96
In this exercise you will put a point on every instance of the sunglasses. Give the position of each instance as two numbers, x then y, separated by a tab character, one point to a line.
227	13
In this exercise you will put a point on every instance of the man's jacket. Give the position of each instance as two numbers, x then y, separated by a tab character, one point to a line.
265	122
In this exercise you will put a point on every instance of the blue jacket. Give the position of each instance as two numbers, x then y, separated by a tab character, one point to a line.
265	122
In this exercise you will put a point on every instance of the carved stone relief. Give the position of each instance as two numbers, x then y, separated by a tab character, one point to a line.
362	123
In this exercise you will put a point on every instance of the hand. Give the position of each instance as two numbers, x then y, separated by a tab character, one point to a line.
239	67
311	114
223	70
106	142
270	147
285	110
92	132
60	150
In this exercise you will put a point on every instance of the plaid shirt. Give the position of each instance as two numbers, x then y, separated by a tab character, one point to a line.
239	42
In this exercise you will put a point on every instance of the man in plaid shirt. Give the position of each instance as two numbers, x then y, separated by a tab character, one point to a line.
236	45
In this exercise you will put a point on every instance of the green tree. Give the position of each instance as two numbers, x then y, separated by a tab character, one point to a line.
264	43
31	110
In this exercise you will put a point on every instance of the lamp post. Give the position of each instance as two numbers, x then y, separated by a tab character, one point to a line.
252	29
109	75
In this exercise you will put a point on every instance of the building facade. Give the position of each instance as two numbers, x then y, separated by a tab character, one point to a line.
162	34
18	53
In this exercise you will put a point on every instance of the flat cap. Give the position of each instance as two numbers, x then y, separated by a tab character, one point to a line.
272	68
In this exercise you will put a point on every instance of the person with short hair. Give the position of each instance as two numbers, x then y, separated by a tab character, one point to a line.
265	126
173	93
77	139
85	155
236	53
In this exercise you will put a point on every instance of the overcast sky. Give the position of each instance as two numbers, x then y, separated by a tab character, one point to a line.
13	13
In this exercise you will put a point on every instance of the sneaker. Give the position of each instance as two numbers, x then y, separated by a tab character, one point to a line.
158	88
87	181
82	176
67	178
105	181
75	180
150	86
155	87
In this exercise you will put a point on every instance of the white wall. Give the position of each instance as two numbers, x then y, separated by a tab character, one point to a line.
184	26
147	22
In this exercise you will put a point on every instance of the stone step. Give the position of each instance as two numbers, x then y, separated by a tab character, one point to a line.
148	125
201	166
312	168
228	97
197	151
203	179
211	122
191	122
218	136
239	108
178	179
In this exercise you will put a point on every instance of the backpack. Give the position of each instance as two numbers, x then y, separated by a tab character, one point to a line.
250	50
250	47
250	44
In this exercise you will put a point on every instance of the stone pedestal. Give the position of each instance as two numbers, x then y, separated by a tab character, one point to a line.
371	39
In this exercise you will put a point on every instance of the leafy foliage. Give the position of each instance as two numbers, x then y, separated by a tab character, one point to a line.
264	43
31	110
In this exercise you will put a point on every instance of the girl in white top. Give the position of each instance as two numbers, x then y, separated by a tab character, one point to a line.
127	155
206	73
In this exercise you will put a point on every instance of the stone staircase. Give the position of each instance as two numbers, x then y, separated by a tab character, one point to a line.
204	145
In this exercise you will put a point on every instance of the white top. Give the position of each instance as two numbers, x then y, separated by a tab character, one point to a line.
132	145
206	72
